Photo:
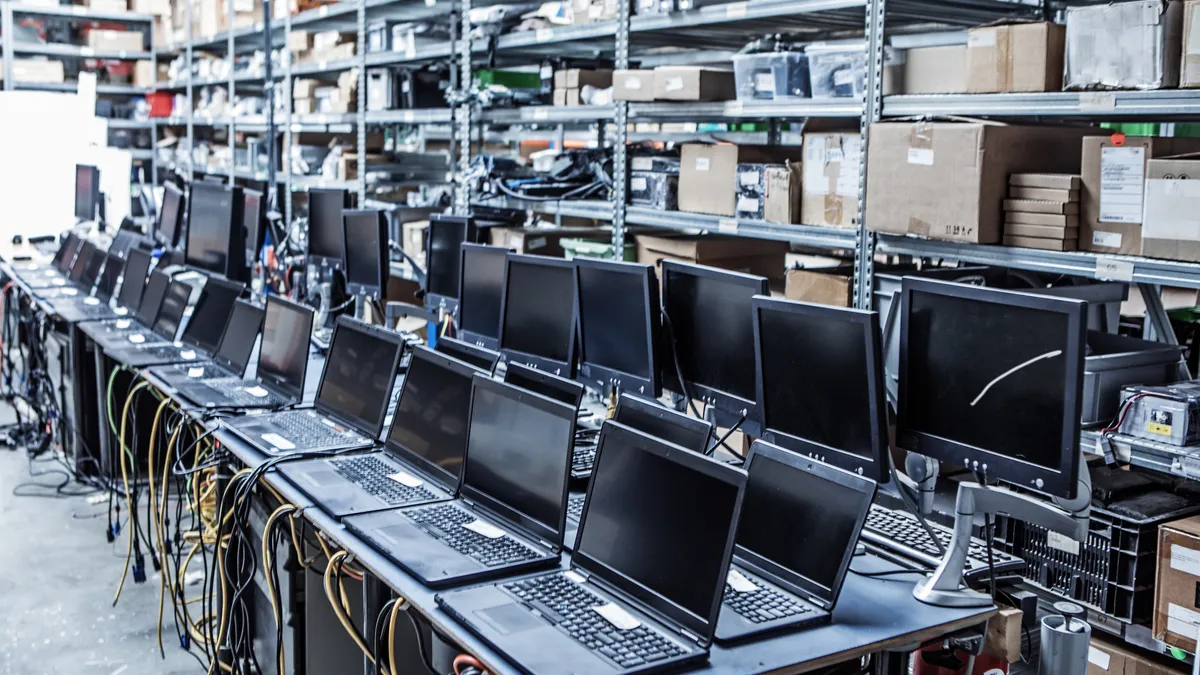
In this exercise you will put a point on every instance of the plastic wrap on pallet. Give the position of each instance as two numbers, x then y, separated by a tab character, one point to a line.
1127	45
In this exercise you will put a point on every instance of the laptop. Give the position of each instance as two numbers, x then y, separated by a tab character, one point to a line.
115	332
84	272
166	322
512	506
643	591
352	397
480	357
200	336
232	353
800	523
37	276
566	391
282	364
421	460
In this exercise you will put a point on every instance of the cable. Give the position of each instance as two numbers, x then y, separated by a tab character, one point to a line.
887	573
337	602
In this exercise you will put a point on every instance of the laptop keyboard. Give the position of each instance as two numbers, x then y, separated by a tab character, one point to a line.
371	474
569	605
575	506
584	458
445	523
302	425
763	605
233	394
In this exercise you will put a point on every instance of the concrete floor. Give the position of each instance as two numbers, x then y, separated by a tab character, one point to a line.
57	580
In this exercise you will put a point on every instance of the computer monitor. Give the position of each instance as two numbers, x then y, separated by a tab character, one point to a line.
483	359
152	299
430	423
651	418
283	357
82	260
366	246
820	383
253	224
546	384
443	257
356	385
170	314
210	227
113	266
133	279
618	325
87	191
66	253
170	215
91	273
237	341
211	313
481	292
711	331
537	313
992	380
325	208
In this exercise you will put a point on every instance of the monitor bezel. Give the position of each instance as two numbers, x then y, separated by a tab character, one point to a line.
602	376
323	261
280	382
479	339
383	260
467	224
649	407
481	353
562	369
371	430
1060	481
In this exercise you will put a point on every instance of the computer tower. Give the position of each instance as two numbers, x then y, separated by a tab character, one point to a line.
328	648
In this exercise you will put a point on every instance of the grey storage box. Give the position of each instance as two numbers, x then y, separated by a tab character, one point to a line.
1115	361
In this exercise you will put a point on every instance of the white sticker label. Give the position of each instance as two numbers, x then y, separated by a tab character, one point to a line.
736	10
847	181
922	156
1122	179
196	372
122	311
574	576
407	479
1113	269
278	442
187	355
746	205
739	583
1091	101
122	324
727	225
633	82
637	183
137	338
765	83
748	177
1062	543
544	34
843	77
618	617
642	164
256	391
1098	658
1185	560
981	38
1107	239
702	164
733	108
673	84
1182	621
547	72
541	114
486	529
91	301
535	244
70	291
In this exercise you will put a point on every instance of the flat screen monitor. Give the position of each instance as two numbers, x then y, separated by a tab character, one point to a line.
356	385
430	423
537	313
483	359
113	266
211	314
481	292
820	383
651	418
87	191
992	378
210	222
443	256
283	357
709	326
366	245
325	208
170	215
253	223
618	326
133	279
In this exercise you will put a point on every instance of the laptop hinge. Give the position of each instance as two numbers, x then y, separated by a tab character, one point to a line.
691	636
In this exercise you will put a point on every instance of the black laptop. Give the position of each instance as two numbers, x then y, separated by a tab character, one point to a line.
129	298
512	508
94	306
352	397
643	590
480	357
84	272
567	391
115	333
282	365
420	462
800	523
231	356
39	277
166	323
200	336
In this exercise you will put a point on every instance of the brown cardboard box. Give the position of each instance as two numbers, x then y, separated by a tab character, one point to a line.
304	106
830	181
1044	231
1172	200
1112	212
928	70
48	71
779	200
208	18
540	240
115	40
109	5
1176	605
300	41
144	74
577	78
633	85
1055	181
1039	242
1049	219
1105	658
304	87
708	174
931	178
1040	206
566	97
833	286
741	254
1189	67
693	83
1015	58
330	38
1043	194
413	239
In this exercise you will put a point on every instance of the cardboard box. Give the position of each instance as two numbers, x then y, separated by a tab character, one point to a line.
1043	194
155	7
1040	206
144	74
931	178
48	71
768	192
304	87
830	183
707	174
1049	219
566	97
927	70
1042	243
1172	197
208	17
1177	584
115	40
1112	208
1189	65
1015	58
300	41
330	38
741	254
1054	181
1043	231
540	240
1125	45
109	5
1105	658
633	85
304	106
693	83
833	286
577	78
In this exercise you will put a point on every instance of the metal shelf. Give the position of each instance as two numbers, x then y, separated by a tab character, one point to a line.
320	67
805	235
795	108
102	89
549	114
420	116
129	124
425	53
1093	104
736	11
79	52
140	154
80	12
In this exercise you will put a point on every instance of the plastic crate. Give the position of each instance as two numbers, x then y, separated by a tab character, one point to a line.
161	103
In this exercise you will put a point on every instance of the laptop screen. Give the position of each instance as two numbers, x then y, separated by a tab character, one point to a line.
82	260
108	279
483	359
237	342
688	433
359	374
519	450
174	304
66	252
133	279
431	415
212	312
152	299
550	386
284	354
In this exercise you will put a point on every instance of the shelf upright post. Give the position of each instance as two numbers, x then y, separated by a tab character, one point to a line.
361	116
286	159
269	108
191	130
153	125
462	109
620	174
864	250
6	25
229	56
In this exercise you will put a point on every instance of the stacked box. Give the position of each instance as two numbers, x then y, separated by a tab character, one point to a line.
768	192
654	182
569	83
1042	211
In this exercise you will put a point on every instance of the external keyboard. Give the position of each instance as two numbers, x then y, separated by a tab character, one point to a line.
763	604
575	506
899	531
446	523
371	474
583	459
570	606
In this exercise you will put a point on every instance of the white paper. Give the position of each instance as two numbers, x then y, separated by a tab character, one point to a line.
922	156
407	479
1122	176
574	576
278	441
137	338
765	82
673	84
1098	658
727	225
739	583
1171	208
256	391
637	183
1182	621
1062	543
702	164
618	617
1107	239
642	164
815	182
747	204
1185	560
486	529
196	372
981	38
633	82
748	177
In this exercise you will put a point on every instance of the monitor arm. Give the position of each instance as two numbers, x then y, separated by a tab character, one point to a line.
920	477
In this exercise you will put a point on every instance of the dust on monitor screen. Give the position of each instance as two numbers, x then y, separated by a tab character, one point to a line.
988	375
482	289
538	310
325	224
614	320
209	226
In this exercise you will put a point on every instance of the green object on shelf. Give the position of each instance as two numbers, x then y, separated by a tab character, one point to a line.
1178	653
1187	130
1133	128
509	78
591	248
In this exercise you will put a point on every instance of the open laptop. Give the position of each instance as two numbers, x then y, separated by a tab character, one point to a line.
421	460
800	523
352	396
480	357
231	356
94	306
201	335
132	284
84	272
115	332
643	590
512	508
566	391
38	276
282	364
166	323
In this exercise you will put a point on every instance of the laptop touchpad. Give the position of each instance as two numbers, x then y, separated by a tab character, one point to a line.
321	478
509	618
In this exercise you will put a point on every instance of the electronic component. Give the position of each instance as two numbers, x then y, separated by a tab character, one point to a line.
1167	414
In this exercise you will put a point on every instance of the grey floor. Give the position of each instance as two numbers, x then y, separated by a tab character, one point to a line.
57	580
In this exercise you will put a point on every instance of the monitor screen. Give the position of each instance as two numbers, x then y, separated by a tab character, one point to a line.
431	416
108	279
209	225
211	314
366	254
645	520
325	224
482	269
82	260
66	252
133	279
87	191
152	299
712	327
283	357
483	359
519	450
91	273
550	386
174	304
616	317
359	373
252	223
539	310
446	236
169	214
237	342
649	418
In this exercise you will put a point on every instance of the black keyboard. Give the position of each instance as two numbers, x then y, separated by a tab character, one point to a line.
763	605
233	393
445	523
183	372
301	424
584	458
900	532
575	506
569	605
371	474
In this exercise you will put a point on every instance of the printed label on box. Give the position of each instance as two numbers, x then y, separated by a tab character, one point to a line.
981	38
1098	658
1062	543
748	178
747	204
764	82
1185	560
1182	621
702	164
1122	179
814	182
1107	240
920	156
637	183
673	84
642	164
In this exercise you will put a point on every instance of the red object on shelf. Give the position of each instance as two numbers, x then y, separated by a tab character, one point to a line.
984	665
161	103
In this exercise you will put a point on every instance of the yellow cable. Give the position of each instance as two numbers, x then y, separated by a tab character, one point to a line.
339	608
224	588
267	566
401	604
128	491
161	531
